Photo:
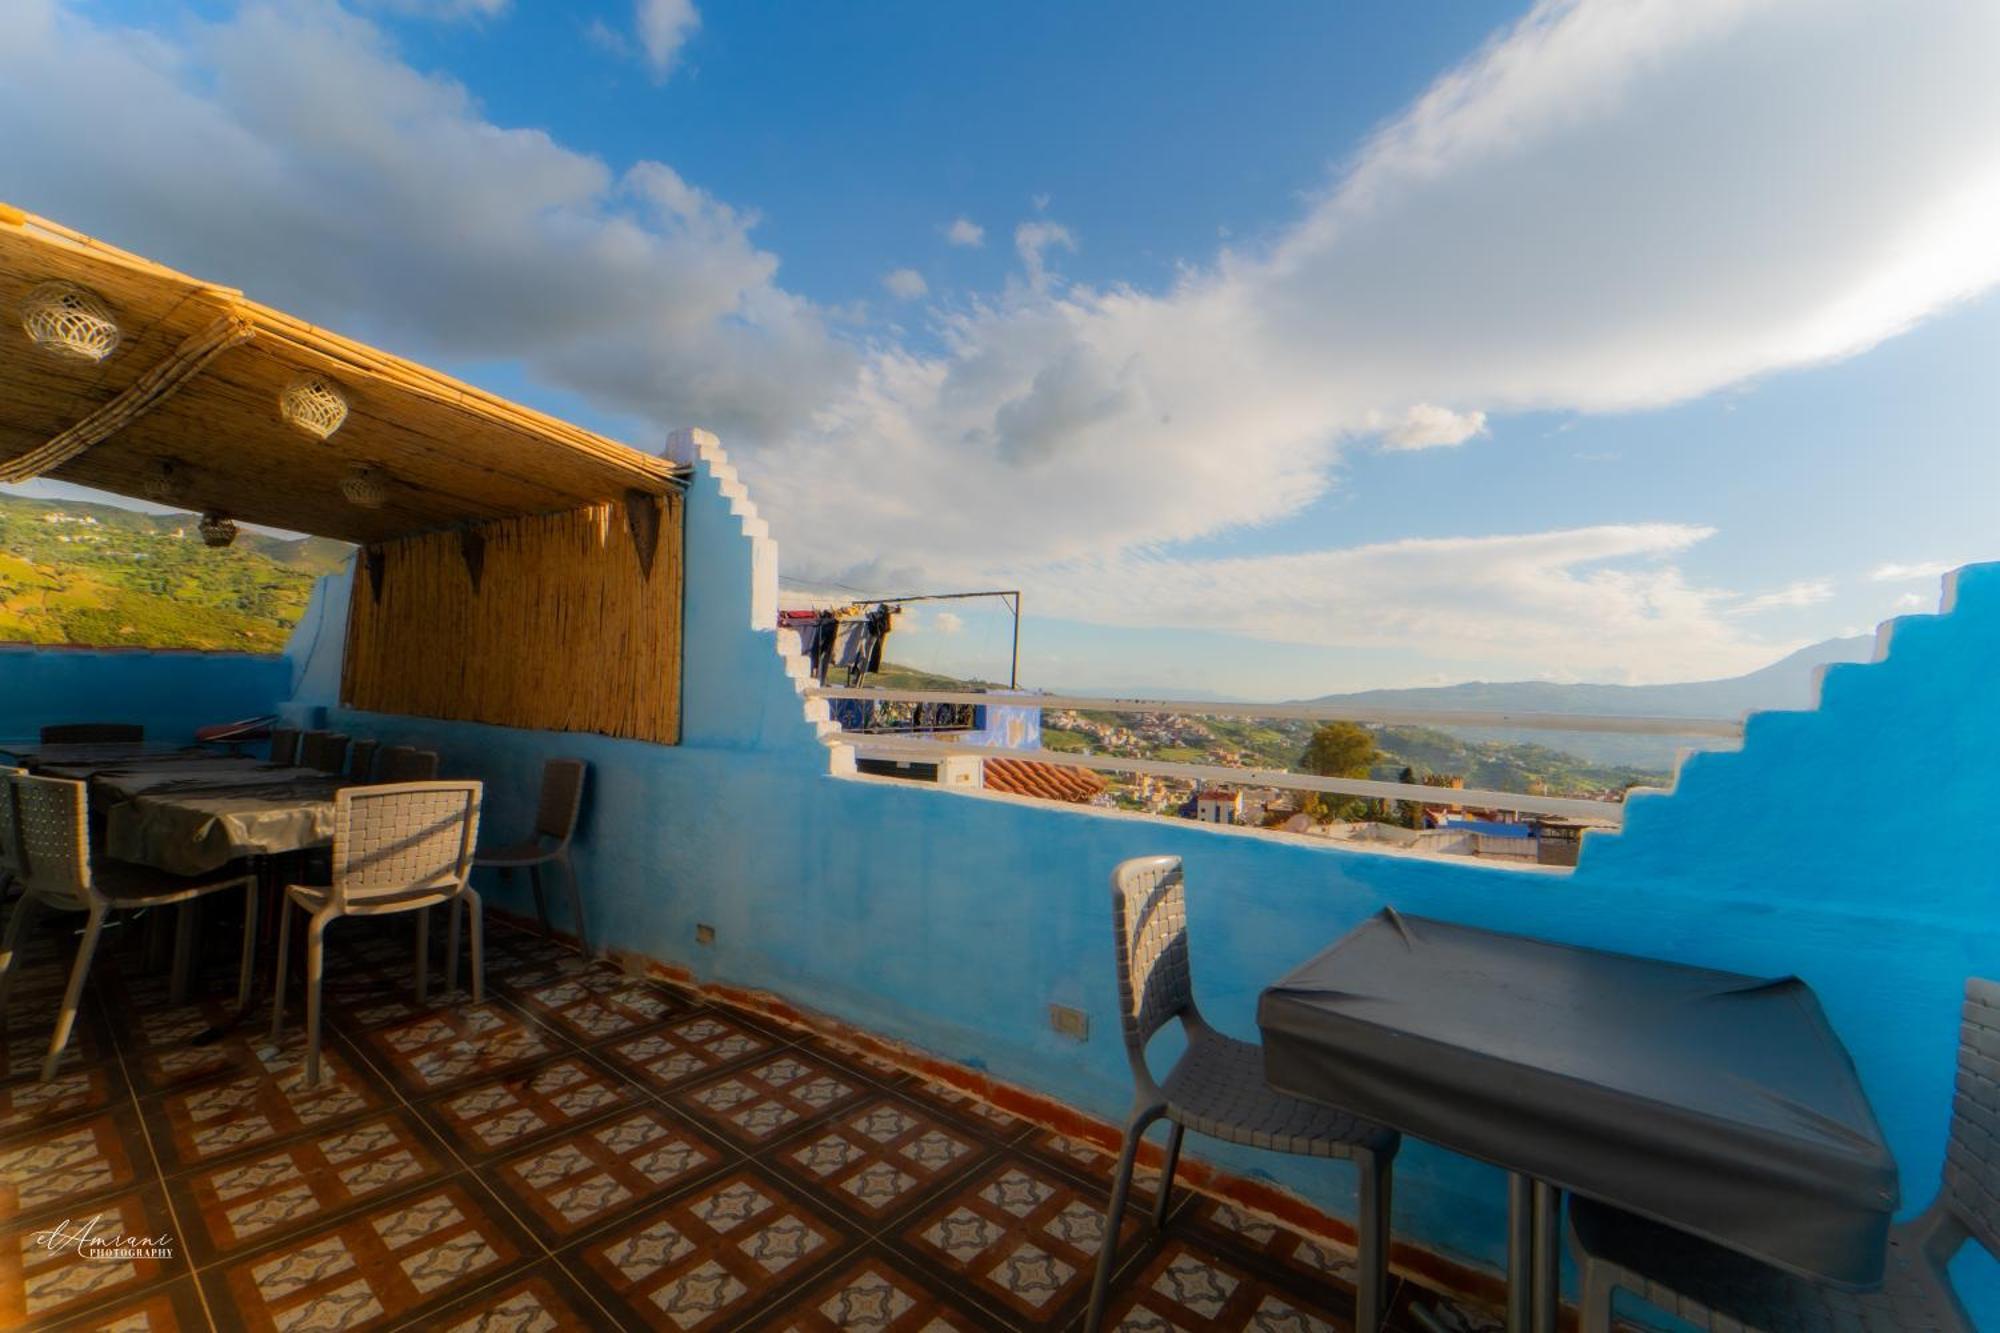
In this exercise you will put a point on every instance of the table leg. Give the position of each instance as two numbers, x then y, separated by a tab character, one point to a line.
1546	1288
268	888
1520	1252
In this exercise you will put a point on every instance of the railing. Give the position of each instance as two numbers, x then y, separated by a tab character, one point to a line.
911	748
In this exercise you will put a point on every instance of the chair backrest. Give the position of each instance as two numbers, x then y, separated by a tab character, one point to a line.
10	856
323	750
284	746
402	838
88	733
1149	909
403	763
1972	1156
361	759
562	798
51	837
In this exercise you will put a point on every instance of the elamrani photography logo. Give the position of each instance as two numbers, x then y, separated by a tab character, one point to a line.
90	1242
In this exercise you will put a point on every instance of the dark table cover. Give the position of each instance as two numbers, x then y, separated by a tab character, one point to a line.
204	826
1718	1103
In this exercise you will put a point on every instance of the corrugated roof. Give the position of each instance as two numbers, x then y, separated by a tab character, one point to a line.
1051	782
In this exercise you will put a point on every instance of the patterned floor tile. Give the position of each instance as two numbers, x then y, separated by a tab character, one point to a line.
763	1100
29	1105
66	1166
1417	1309
57	1267
268	1103
263	1195
506	1113
878	1294
1094	1164
1021	1236
388	1263
25	1044
687	1049
983	1116
173	1308
594	1005
575	1182
447	1047
544	1299
712	1256
1222	1225
878	1158
1185	1288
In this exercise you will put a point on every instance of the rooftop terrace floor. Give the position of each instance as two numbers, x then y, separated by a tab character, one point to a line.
583	1150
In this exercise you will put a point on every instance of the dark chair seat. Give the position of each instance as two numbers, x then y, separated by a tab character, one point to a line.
1218	1089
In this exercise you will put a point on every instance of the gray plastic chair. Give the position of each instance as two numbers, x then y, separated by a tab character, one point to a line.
92	733
284	746
323	750
1217	1087
361	759
399	848
47	825
10	855
405	763
556	816
1727	1292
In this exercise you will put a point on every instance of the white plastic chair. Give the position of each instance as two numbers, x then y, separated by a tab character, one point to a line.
399	847
47	825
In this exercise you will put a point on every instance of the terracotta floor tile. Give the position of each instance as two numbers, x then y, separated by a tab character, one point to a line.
711	1257
448	1047
875	1160
46	1276
69	1165
763	1100
173	1308
263	1195
27	1105
585	1178
262	1104
594	1006
688	1048
501	1115
542	1299
384	1265
1182	1287
984	1117
879	1293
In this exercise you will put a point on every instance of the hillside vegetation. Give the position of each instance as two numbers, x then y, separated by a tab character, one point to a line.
95	574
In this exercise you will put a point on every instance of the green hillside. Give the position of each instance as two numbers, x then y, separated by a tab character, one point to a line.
96	574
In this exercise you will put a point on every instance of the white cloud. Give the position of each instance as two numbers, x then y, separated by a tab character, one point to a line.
1805	592
965	232
442	9
1428	426
950	622
1909	573
1033	241
664	27
1911	601
905	284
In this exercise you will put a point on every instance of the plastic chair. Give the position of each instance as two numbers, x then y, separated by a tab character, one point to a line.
285	746
323	750
10	856
1217	1087
1724	1291
403	763
402	847
47	824
555	825
91	733
361	759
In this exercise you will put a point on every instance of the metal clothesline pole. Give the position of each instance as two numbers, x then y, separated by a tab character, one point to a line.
1010	595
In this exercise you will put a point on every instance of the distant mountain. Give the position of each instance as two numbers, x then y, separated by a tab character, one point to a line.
1786	683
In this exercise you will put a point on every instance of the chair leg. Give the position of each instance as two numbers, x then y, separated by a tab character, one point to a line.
315	966
452	913
541	903
1114	1216
284	960
1161	1204
1371	1291
575	903
18	922
478	913
247	970
73	997
423	955
186	918
1594	1301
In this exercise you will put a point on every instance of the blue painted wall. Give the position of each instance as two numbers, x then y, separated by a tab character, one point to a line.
1847	845
171	693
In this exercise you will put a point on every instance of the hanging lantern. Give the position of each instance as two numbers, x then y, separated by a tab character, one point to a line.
314	404
217	530
364	489
166	484
65	320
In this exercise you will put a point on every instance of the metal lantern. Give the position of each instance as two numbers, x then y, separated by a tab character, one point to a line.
217	530
165	485
314	404
363	488
65	320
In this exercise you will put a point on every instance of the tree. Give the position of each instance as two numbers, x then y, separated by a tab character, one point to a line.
1337	750
1410	814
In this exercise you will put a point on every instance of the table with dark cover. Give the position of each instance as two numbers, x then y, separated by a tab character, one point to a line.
1720	1104
201	826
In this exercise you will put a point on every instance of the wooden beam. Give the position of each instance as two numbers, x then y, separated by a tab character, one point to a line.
144	394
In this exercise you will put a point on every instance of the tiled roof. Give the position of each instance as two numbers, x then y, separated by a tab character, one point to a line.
1051	782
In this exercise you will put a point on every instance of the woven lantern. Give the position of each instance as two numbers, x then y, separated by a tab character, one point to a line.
217	530
65	320
363	488
165	485
314	404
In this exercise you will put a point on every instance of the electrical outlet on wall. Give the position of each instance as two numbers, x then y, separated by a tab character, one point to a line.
704	933
1070	1022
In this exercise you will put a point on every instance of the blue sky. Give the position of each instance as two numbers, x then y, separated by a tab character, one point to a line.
1300	348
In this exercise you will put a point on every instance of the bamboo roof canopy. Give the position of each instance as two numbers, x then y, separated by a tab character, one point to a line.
185	408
